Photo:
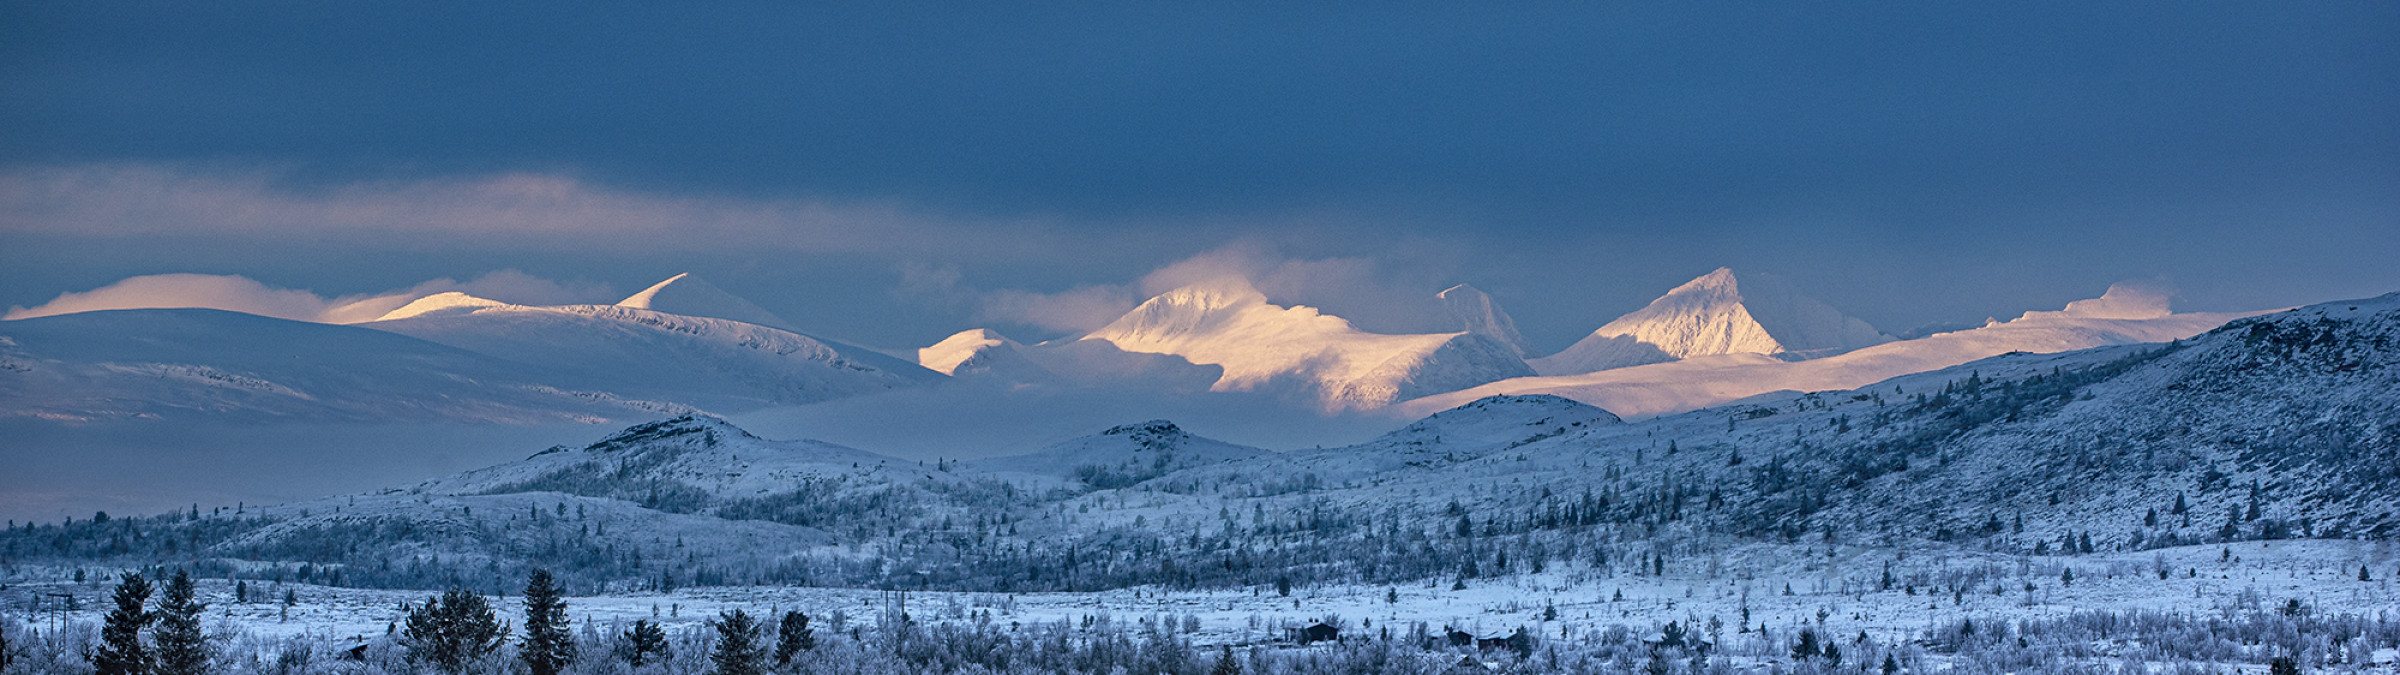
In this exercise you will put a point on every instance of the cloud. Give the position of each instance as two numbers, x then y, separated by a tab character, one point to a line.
242	294
518	210
1359	289
1370	294
1078	309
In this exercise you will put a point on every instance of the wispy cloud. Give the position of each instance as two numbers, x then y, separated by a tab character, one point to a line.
517	210
1353	288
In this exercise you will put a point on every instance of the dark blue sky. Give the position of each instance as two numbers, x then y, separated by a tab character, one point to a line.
1908	162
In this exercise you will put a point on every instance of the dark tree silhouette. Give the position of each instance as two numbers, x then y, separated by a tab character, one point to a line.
452	631
642	644
547	647
793	637
121	651
182	646
1807	647
737	651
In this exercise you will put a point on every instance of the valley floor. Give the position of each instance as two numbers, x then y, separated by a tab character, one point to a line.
1838	595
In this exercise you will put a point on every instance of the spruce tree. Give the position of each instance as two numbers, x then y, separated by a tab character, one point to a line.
793	637
643	644
1891	666
182	646
452	631
737	651
1225	663
1807	647
121	651
7	651
547	647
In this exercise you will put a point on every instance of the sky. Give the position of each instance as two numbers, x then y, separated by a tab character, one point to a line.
890	173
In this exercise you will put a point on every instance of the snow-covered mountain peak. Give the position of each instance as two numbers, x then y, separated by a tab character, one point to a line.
438	303
1477	313
1717	313
690	295
1192	309
1231	325
974	351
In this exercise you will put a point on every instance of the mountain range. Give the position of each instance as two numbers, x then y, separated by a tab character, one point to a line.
684	345
2268	427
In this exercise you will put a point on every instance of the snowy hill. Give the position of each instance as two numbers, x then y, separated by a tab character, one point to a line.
691	457
187	363
2122	316
691	296
2276	426
1121	456
1262	345
1713	315
706	362
980	352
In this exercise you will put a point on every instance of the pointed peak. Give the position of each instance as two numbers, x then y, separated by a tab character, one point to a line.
690	295
1461	291
1722	280
1479	314
1717	313
649	295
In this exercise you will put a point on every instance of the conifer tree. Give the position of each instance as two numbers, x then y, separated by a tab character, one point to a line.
121	651
452	631
182	646
547	647
642	644
1806	648
737	651
1225	663
793	637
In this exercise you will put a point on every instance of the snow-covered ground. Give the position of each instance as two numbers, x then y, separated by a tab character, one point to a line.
1838	595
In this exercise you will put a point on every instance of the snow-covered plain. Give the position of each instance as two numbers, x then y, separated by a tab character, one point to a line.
1835	591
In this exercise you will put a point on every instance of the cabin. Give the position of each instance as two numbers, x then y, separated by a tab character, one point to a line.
1517	642
1696	645
1318	632
1459	638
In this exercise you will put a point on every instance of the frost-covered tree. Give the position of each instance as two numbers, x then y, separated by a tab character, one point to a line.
642	644
547	647
452	631
182	646
792	637
1226	665
737	651
121	651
